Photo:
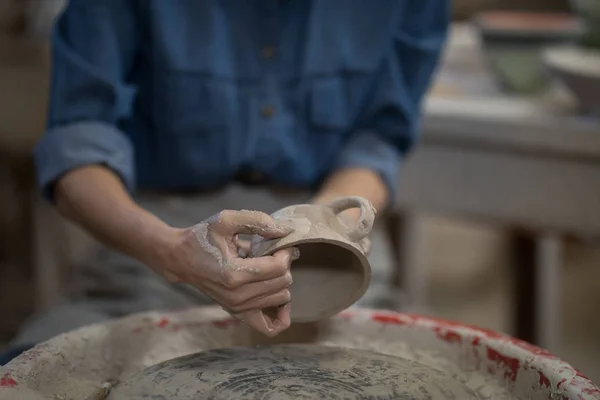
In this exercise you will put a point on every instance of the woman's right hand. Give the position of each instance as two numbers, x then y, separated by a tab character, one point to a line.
207	256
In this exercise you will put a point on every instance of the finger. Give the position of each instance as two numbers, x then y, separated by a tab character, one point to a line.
243	246
246	296
294	253
284	315
254	223
279	317
251	293
262	323
247	270
258	321
276	299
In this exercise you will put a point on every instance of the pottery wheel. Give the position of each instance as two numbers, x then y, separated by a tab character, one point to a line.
290	372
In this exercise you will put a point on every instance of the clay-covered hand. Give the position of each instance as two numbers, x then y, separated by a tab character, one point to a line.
207	256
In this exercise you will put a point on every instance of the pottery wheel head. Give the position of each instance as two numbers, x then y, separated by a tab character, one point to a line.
290	372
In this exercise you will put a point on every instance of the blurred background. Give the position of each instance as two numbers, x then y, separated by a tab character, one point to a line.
498	221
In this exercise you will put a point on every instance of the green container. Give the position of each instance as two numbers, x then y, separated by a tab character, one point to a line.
589	13
513	44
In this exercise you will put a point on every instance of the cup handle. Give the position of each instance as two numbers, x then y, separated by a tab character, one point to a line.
367	215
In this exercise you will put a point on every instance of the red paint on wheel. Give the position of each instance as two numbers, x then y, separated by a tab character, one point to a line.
7	381
224	323
485	333
162	323
544	381
448	336
453	325
537	351
561	382
510	364
579	374
388	319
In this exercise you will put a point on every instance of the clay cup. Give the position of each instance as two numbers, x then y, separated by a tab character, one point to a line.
332	272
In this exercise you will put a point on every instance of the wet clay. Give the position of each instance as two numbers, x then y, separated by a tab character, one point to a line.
332	272
291	372
207	231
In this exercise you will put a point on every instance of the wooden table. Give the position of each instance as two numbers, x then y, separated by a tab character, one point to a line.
526	163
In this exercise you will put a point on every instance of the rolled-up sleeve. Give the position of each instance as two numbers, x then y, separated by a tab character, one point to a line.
389	124
94	48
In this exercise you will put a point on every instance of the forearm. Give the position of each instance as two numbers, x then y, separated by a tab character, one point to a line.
354	182
95	198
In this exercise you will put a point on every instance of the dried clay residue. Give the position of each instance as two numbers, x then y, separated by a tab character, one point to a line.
114	352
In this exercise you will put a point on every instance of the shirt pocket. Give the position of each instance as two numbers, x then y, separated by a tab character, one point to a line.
328	105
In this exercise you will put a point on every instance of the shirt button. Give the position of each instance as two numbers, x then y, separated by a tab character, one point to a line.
267	111
268	52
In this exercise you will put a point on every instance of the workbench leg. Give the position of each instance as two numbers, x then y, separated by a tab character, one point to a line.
537	276
407	233
549	280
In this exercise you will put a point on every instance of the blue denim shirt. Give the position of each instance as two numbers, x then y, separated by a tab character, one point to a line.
182	94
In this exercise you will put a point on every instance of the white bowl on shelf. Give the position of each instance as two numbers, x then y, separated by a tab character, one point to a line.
578	68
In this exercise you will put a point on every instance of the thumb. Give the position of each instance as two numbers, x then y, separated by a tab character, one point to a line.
255	223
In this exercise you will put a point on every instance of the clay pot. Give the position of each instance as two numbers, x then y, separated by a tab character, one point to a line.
333	271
